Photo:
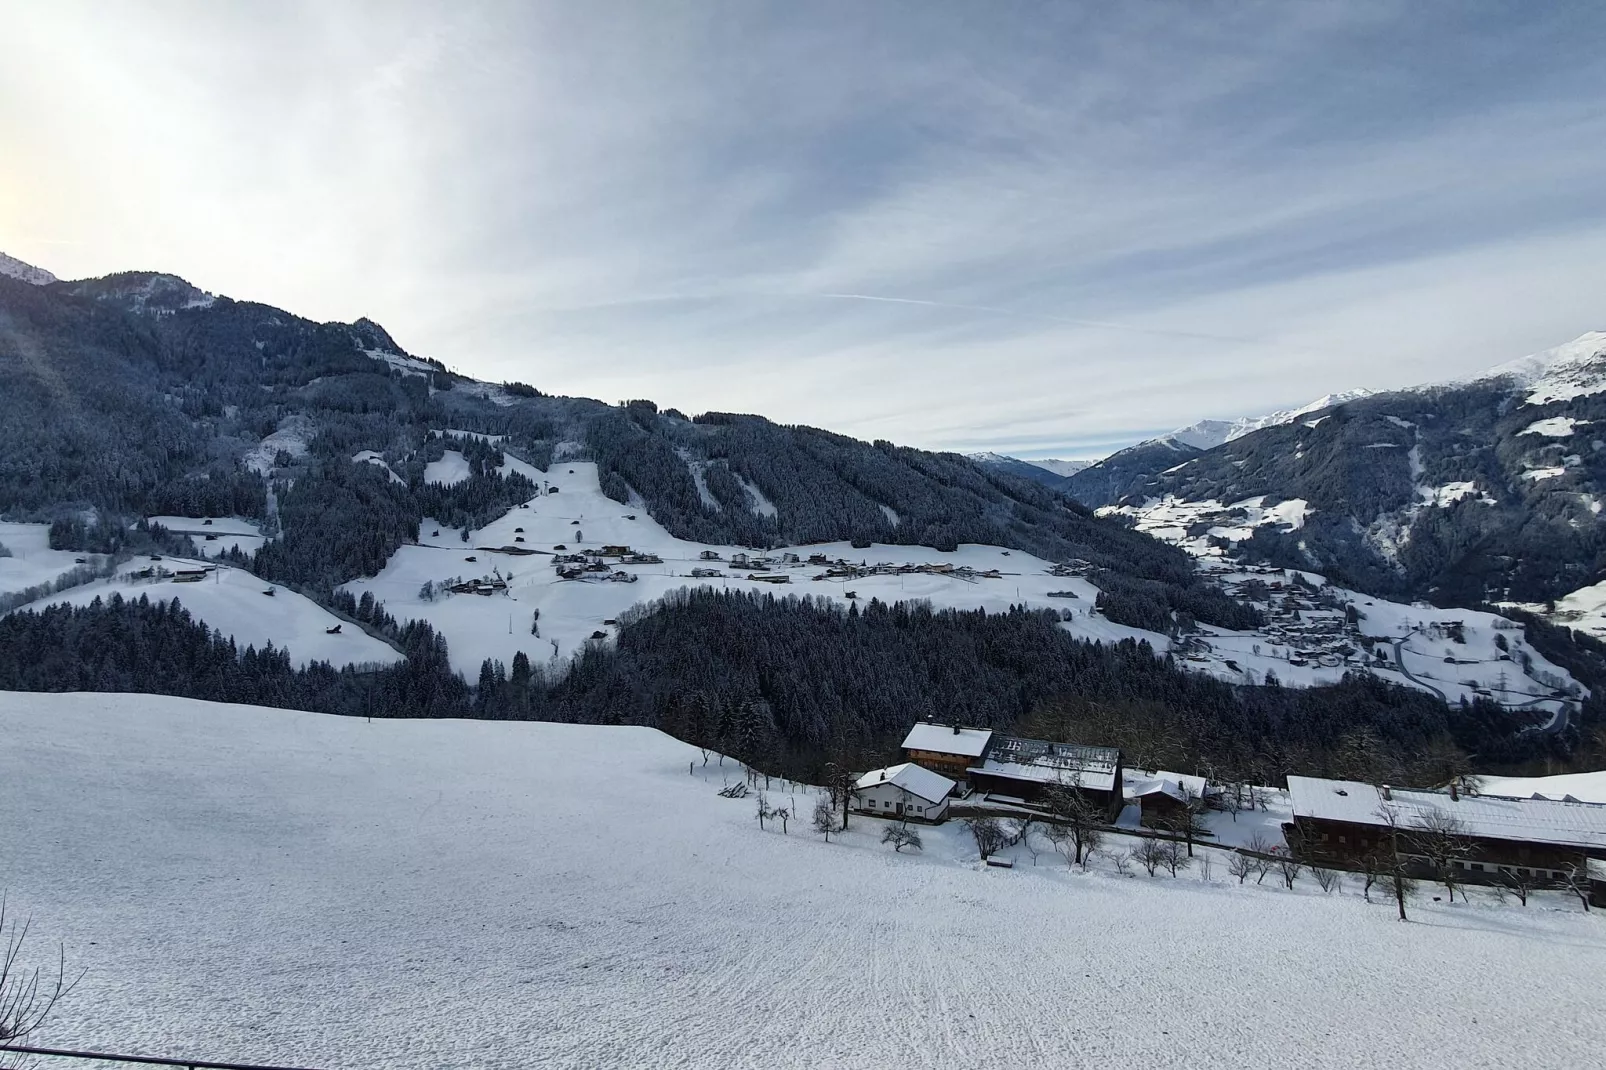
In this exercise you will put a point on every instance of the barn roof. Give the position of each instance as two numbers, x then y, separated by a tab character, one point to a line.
1042	762
932	787
945	739
1494	817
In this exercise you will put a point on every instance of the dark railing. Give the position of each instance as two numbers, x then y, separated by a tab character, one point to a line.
153	1060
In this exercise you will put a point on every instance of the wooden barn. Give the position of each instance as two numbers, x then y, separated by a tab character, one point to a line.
1339	822
946	749
1017	769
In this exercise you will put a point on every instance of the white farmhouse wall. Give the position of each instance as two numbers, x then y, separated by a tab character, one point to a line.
884	799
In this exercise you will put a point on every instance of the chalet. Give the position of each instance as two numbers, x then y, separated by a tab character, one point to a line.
946	749
904	791
705	573
1022	769
1341	821
643	559
770	577
709	555
621	576
1166	794
614	551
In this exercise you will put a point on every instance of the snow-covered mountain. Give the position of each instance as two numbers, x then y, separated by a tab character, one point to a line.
1573	369
1063	468
1484	489
1208	434
16	269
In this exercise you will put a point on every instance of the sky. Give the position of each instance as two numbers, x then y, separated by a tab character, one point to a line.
1043	229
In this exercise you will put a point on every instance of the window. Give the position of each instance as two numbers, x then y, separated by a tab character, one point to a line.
1340	837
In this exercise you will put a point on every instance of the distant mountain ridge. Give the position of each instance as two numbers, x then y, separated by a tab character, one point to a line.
1484	489
11	267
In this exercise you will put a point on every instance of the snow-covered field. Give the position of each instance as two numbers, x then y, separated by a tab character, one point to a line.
228	532
450	470
580	516
271	886
231	601
32	561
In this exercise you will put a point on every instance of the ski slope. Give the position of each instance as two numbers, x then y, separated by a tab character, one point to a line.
231	601
571	611
268	886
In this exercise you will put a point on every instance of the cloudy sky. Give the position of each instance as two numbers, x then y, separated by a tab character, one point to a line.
1043	229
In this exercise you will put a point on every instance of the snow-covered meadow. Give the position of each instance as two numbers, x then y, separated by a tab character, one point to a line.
232	602
581	516
272	886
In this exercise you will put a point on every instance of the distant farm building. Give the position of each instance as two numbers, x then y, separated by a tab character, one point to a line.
1341	821
946	749
1022	769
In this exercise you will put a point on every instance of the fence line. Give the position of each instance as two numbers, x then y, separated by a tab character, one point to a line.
152	1060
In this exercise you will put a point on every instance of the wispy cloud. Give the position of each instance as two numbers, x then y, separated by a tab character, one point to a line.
1048	230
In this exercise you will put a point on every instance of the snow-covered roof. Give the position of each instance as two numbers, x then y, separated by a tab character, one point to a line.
932	787
1161	786
1495	817
1145	783
945	739
1042	762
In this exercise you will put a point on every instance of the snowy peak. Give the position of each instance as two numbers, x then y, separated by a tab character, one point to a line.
1063	467
1208	434
1573	369
16	269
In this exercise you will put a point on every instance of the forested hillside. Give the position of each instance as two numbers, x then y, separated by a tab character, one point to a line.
790	684
140	395
1472	493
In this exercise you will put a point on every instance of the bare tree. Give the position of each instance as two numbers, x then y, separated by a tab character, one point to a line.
988	834
1172	855
1184	821
1261	846
1241	865
1576	878
1441	837
764	810
1330	880
1072	810
1393	865
1150	854
27	996
1207	867
901	836
840	783
783	814
1516	884
1290	868
1092	841
1123	862
824	817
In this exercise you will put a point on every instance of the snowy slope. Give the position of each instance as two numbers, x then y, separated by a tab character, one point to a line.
450	470
32	561
1207	434
16	269
231	601
271	886
579	515
227	532
1573	369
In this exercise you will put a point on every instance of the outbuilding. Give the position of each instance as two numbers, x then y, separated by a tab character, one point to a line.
905	791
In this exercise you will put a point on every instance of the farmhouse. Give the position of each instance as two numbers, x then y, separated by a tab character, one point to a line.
903	791
1021	769
1341	821
946	749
